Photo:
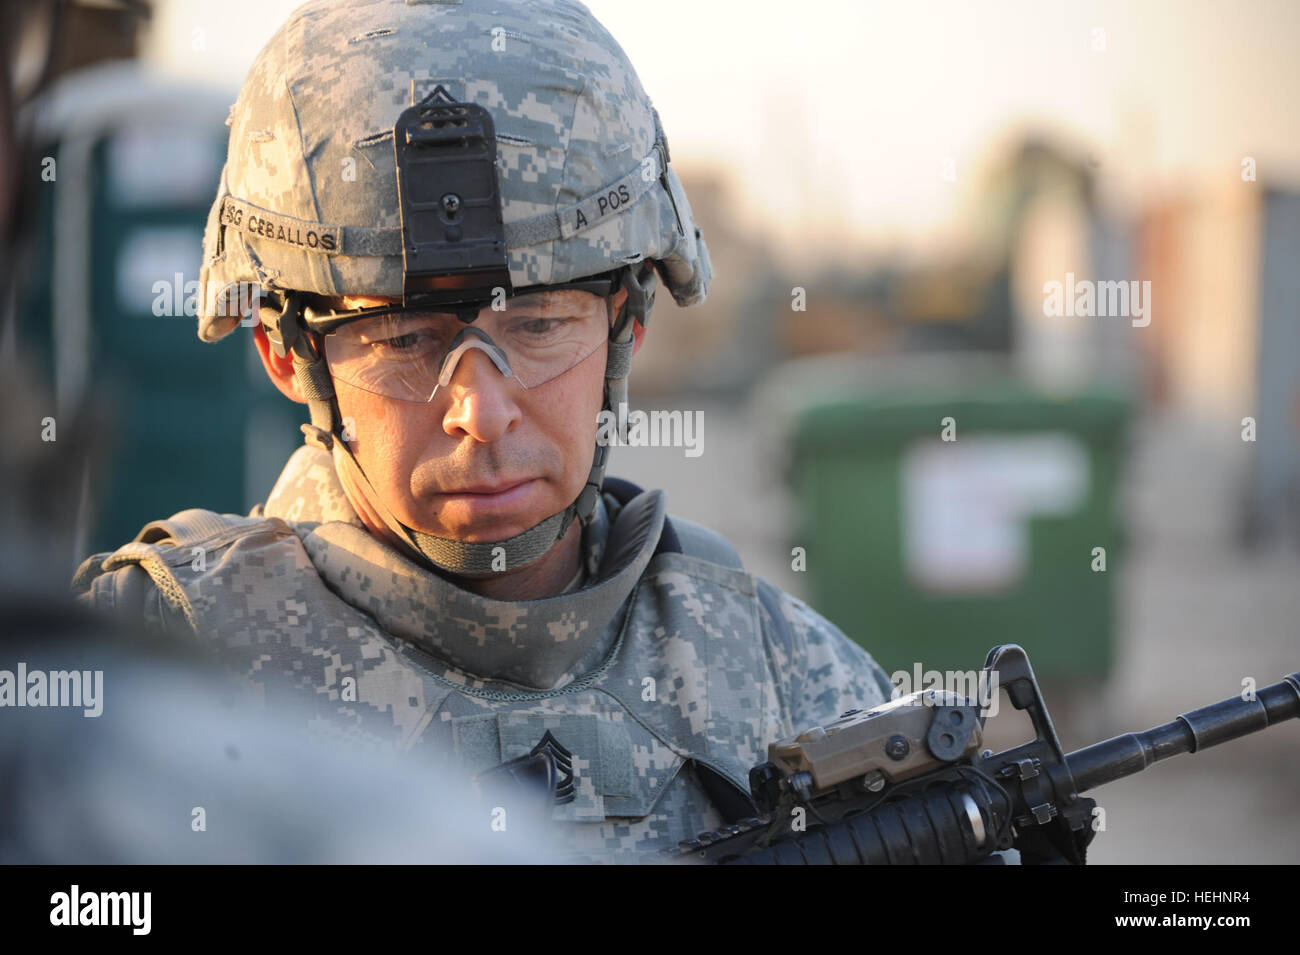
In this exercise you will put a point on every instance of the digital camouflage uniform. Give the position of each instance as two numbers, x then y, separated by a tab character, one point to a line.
301	596
662	676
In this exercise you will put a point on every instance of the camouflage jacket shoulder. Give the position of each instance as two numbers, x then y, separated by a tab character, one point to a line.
661	681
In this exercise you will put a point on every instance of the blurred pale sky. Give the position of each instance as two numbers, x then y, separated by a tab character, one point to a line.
832	120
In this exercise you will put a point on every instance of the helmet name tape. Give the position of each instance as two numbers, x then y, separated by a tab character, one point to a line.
248	218
563	223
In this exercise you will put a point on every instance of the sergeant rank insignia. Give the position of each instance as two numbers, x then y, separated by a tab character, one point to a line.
563	761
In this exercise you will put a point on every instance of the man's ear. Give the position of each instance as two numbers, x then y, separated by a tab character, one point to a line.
279	370
638	330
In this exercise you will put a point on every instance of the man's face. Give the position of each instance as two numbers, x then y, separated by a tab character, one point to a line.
486	459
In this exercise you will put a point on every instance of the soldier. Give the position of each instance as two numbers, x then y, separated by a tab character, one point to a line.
456	216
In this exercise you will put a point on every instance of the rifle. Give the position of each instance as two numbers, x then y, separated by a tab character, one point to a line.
907	782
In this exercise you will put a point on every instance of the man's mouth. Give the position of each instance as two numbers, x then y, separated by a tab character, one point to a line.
489	496
487	489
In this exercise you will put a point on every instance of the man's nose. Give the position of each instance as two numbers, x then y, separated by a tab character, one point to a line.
482	399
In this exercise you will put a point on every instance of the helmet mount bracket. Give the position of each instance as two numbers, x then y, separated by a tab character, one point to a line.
449	199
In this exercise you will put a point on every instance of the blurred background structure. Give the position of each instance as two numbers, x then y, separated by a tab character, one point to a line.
888	192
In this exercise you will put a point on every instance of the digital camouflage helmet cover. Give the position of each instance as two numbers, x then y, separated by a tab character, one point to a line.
529	155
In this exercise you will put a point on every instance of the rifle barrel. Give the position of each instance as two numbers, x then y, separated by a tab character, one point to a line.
1201	728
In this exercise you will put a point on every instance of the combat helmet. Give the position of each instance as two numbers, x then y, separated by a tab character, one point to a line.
444	153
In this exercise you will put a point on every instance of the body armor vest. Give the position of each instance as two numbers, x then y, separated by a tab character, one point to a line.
657	686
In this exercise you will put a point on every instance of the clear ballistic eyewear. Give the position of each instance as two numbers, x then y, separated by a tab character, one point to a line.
408	353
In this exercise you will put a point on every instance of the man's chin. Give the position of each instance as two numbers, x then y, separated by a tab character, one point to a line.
478	521
486	535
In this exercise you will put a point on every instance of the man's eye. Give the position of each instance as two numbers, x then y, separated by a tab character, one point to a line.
410	344
401	342
539	327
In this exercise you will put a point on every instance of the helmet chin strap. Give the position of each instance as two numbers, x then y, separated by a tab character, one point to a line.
448	554
459	557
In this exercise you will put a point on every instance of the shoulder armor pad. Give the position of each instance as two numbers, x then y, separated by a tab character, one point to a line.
698	541
194	526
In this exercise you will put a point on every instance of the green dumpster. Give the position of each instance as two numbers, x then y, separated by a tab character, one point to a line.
939	520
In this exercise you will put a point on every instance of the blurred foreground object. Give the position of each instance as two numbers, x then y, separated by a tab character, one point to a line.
176	769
